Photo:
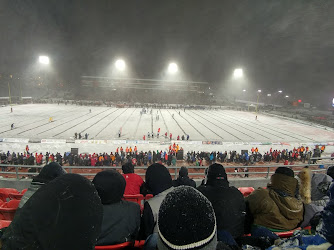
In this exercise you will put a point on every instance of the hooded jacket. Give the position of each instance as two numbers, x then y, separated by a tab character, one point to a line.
228	202
184	179
324	237
276	207
121	219
159	183
64	214
47	174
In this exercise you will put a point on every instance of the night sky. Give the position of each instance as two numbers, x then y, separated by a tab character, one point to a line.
285	45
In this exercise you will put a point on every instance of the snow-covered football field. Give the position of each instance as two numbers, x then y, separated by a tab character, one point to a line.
230	129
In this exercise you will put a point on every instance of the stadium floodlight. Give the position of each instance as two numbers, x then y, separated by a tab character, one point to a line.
238	73
44	59
120	64
280	91
259	91
268	94
287	96
244	90
172	68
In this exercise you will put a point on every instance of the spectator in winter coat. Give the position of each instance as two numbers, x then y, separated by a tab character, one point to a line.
47	174
318	186
184	179
228	202
277	207
133	181
324	237
64	214
159	183
121	219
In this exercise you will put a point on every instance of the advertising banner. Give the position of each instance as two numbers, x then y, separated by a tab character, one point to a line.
53	141
18	140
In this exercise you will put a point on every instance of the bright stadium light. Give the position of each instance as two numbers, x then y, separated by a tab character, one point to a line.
120	64
268	94
287	96
44	59
280	91
244	90
259	91
173	68
238	73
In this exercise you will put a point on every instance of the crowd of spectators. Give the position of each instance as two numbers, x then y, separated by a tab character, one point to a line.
168	157
117	158
66	211
302	154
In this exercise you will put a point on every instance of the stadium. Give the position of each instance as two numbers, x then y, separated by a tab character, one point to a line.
145	126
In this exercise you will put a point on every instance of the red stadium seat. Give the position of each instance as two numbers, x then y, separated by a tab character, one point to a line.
24	190
117	246
148	196
137	198
8	210
12	204
15	196
287	234
5	191
246	190
139	244
4	223
134	198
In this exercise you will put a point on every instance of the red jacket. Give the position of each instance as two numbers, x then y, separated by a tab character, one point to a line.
133	183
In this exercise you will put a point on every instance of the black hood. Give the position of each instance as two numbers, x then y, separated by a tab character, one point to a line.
217	176
65	214
183	172
128	168
49	172
110	185
158	178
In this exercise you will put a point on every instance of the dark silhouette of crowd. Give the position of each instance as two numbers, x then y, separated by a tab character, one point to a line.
67	211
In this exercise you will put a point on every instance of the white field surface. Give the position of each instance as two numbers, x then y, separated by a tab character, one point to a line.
235	129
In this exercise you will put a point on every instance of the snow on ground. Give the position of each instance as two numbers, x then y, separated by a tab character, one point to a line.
236	130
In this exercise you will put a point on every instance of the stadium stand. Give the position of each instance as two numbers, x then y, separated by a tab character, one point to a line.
137	198
8	209
246	190
4	193
17	196
4	223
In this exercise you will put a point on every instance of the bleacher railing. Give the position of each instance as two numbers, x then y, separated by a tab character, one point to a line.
198	171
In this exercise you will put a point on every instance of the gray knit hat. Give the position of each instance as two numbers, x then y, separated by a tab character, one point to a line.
186	220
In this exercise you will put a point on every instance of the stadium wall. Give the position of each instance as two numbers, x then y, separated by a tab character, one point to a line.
251	182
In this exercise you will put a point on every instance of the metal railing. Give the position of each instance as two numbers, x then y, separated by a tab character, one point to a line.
198	171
